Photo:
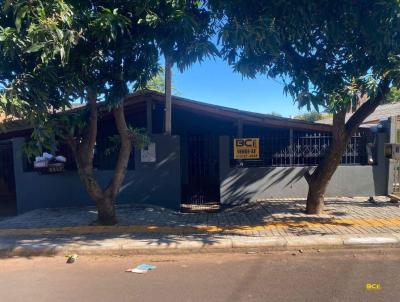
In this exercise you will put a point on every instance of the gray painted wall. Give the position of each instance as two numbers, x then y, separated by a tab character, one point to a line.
156	183
246	184
160	182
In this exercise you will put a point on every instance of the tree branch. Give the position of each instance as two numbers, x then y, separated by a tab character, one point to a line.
338	123
124	152
367	108
88	143
307	64
92	133
307	176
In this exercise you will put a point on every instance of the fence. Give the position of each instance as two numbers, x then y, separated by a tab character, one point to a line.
299	148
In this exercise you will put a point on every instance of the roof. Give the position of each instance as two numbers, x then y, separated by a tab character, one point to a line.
206	108
382	112
227	112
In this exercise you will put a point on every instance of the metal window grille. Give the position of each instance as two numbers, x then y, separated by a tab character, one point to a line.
302	148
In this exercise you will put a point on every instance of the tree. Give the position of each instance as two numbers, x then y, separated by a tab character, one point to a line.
157	83
56	52
331	54
394	96
312	116
183	30
275	114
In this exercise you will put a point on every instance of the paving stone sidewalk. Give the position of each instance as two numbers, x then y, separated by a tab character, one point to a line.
267	224
266	218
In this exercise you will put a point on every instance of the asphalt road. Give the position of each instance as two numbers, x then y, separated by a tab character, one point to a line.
308	276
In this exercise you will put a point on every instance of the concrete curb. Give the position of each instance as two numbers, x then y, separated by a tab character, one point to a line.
371	240
121	246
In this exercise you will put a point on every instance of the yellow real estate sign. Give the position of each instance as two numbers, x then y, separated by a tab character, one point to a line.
246	148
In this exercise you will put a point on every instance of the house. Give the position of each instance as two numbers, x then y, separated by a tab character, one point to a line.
381	113
215	156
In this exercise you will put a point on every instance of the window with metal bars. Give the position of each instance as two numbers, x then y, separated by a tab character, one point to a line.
285	148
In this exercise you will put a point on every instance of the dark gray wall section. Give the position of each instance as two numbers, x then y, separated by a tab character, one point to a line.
156	183
245	184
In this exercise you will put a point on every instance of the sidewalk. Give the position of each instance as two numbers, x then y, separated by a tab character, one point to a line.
268	224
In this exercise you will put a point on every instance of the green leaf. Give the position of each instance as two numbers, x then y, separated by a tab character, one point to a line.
35	47
62	54
19	16
60	33
18	24
6	5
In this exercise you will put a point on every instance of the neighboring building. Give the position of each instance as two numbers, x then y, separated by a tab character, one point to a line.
381	113
196	165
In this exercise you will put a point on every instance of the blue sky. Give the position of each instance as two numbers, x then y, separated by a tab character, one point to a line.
213	81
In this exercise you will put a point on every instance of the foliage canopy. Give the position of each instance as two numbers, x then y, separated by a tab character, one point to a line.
327	52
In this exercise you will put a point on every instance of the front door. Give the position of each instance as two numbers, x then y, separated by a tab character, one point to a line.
200	190
8	205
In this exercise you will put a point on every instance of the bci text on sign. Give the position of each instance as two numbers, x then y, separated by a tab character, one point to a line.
246	148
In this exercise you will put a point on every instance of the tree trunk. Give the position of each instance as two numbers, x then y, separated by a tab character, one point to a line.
83	151
106	211
125	150
319	180
105	203
315	198
342	132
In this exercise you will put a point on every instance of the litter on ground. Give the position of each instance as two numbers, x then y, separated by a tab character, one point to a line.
71	258
141	269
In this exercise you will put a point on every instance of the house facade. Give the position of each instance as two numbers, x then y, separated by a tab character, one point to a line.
204	162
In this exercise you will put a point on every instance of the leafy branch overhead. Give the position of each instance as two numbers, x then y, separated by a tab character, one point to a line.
39	26
181	29
327	52
33	34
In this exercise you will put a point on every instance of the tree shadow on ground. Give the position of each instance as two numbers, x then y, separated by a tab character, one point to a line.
253	219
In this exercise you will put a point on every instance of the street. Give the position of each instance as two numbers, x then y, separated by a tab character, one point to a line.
340	275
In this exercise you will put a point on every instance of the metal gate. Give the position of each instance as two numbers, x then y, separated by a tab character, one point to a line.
201	192
7	180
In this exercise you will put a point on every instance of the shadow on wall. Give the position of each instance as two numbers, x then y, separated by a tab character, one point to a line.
156	183
245	184
241	185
